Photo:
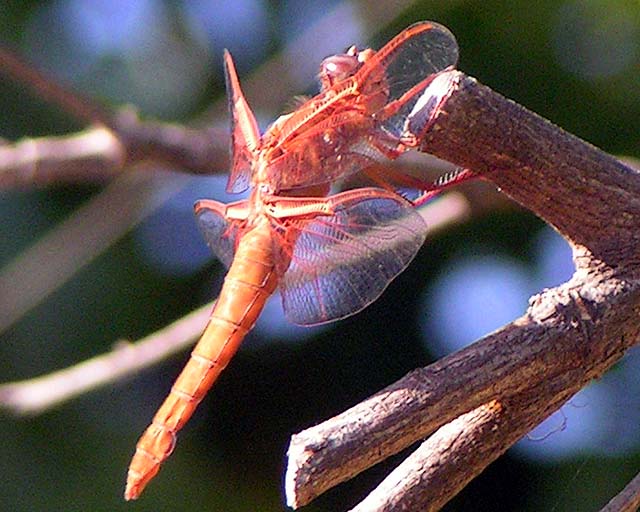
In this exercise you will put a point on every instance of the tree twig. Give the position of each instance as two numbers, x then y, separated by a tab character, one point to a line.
417	474
98	154
52	91
94	154
570	334
33	396
41	268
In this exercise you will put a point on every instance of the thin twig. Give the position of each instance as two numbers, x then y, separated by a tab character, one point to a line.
97	154
43	267
52	91
407	486
36	395
93	154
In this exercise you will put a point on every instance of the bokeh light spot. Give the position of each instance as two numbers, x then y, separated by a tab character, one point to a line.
595	39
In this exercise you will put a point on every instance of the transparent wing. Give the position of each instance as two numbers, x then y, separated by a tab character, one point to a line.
423	49
334	148
219	232
342	262
326	139
245	136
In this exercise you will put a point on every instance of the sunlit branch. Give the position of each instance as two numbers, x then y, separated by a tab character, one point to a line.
94	154
530	382
97	154
413	484
570	334
39	394
192	150
43	267
572	185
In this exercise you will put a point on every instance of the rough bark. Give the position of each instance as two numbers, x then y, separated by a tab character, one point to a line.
569	335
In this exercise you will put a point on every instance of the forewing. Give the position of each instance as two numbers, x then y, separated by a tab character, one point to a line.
417	52
324	141
404	67
342	262
219	232
334	148
245	136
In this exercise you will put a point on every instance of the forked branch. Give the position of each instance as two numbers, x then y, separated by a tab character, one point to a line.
498	388
570	334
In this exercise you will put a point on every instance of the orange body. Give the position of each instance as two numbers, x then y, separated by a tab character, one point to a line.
249	283
335	253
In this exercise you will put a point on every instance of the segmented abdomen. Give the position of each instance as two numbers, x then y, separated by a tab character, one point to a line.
250	281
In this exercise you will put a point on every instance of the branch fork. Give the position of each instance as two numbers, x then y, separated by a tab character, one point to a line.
476	403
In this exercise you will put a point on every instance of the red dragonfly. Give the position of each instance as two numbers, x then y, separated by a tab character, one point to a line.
330	255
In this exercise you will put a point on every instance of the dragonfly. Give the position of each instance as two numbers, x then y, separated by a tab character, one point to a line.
329	254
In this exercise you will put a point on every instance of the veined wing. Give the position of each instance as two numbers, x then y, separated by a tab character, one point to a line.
404	67
341	262
362	118
333	148
245	136
218	230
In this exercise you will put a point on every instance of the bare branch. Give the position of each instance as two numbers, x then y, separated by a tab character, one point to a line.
590	197
192	150
539	355
101	154
34	396
628	500
98	154
41	268
569	336
411	486
94	154
50	90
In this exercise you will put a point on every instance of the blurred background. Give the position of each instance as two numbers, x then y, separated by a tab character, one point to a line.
574	62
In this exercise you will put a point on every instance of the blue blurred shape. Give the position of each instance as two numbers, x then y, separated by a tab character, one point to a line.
601	420
111	26
126	51
554	260
474	295
169	239
596	39
242	26
477	294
